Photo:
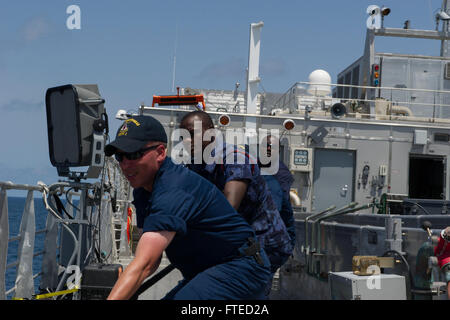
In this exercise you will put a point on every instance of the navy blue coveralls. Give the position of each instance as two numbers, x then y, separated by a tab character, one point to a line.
210	239
281	200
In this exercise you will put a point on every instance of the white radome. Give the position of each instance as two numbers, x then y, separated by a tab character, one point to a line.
320	83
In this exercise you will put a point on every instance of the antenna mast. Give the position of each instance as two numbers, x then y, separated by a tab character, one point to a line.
174	60
445	29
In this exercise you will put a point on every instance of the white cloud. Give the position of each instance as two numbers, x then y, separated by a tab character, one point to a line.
232	68
235	68
273	68
35	28
22	106
27	175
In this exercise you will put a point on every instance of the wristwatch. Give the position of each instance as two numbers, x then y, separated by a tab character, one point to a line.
445	235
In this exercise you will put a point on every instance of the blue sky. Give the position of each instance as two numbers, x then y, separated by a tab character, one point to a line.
127	48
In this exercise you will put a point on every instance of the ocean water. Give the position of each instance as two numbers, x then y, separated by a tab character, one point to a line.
15	210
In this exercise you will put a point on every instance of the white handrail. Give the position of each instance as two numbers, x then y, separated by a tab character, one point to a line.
50	278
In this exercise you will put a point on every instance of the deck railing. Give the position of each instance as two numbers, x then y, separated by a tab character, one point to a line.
392	103
24	275
69	222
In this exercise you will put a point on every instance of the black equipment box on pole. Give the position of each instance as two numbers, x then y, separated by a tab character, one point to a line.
98	280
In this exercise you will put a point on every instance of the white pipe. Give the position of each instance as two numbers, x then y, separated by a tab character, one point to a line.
294	198
401	110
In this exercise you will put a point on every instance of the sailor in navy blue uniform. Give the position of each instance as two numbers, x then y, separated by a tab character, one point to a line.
279	185
185	215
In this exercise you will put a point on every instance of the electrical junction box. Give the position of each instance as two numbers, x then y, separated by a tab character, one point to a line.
348	286
420	137
383	170
301	159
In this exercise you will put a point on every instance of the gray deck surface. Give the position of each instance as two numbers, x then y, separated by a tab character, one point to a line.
163	286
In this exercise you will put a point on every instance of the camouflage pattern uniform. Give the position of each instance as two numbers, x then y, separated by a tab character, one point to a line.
257	206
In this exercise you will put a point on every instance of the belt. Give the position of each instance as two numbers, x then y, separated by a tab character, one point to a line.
252	248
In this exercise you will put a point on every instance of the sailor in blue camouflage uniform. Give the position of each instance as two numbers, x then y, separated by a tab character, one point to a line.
245	188
279	185
184	214
283	205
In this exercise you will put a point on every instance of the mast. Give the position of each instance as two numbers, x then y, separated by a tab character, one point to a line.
253	78
174	60
445	52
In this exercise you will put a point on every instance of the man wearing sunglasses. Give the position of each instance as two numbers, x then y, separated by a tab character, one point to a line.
189	218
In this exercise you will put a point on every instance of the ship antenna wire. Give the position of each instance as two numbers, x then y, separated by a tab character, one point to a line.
174	60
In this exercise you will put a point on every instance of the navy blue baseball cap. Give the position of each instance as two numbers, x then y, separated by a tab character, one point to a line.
135	133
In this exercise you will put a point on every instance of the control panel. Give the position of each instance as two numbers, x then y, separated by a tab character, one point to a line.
301	159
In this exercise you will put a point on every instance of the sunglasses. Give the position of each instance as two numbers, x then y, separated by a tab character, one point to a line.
133	155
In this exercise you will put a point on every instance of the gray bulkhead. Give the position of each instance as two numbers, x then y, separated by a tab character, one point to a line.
359	160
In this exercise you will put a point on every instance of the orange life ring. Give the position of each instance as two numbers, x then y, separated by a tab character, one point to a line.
129	215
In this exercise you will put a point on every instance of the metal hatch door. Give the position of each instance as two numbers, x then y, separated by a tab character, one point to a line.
333	178
425	74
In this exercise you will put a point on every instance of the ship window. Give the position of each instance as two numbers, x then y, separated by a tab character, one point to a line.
348	79
340	90
355	82
447	71
441	137
426	177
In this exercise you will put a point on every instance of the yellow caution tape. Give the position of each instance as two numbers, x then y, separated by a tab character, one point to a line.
54	294
49	295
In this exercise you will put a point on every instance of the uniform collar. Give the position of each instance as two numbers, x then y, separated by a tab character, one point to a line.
210	167
167	163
